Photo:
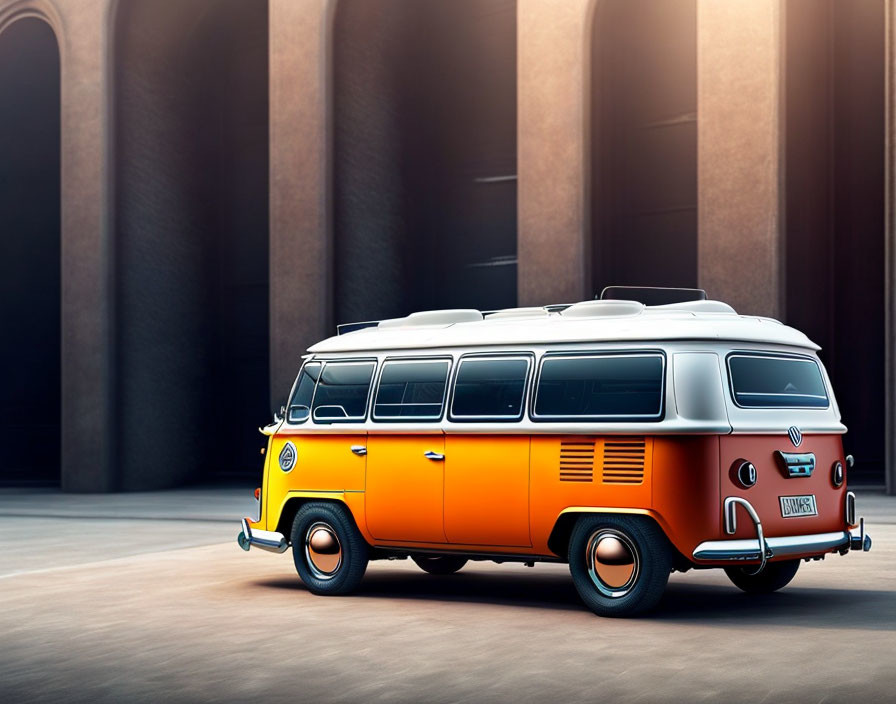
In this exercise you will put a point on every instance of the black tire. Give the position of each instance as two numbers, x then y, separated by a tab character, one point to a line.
324	571
775	576
439	564
635	568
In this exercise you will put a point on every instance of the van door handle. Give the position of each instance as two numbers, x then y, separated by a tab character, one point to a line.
359	450
434	456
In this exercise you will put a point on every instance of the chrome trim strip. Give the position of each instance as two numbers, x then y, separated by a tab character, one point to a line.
785	546
850	508
268	540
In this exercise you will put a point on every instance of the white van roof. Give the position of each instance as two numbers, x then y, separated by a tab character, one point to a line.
587	321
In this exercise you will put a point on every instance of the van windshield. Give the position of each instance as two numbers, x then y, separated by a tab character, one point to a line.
762	381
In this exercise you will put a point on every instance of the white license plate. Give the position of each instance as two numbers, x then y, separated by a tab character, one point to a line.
792	506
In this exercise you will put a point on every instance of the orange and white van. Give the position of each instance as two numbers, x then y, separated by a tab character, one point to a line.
627	440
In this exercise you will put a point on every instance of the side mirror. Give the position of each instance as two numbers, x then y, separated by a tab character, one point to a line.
326	413
298	413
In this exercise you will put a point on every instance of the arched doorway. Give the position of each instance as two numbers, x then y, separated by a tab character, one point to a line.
191	226
425	156
644	143
29	253
834	231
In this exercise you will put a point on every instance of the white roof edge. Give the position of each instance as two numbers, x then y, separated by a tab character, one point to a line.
710	321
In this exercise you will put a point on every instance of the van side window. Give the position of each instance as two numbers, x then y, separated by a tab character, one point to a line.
600	387
300	405
490	389
411	390
342	391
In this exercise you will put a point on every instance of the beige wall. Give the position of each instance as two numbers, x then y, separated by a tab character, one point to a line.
740	168
553	56
300	181
739	155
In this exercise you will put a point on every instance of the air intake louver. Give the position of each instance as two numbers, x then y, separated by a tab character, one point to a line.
623	461
576	461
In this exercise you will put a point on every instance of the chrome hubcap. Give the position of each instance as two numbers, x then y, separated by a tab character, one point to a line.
323	551
613	562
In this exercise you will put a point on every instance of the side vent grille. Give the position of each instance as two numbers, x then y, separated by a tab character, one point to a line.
623	461
576	461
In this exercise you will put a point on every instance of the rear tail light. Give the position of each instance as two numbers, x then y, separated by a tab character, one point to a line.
743	473
258	493
837	474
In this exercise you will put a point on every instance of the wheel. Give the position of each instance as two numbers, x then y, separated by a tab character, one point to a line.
620	565
439	564
329	551
775	576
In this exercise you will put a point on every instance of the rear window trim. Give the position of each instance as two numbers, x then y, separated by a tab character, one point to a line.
776	355
613	418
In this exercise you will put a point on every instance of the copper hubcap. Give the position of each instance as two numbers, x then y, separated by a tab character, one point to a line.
612	562
323	550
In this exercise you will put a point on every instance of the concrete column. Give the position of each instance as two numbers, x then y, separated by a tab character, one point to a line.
88	420
300	183
553	70
890	249
740	162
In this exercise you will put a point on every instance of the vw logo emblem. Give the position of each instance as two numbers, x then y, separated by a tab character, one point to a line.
796	437
288	456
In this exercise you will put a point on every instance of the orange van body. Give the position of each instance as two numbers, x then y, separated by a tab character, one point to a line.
505	494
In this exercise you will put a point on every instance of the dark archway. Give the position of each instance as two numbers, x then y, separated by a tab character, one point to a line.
191	222
29	253
425	156
644	143
835	154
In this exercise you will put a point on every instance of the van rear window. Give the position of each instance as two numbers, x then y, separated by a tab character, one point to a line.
601	387
760	381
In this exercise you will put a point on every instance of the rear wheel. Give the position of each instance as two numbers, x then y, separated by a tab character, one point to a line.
329	551
620	565
775	576
439	564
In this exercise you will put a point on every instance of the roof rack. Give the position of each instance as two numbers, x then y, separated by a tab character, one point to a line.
652	295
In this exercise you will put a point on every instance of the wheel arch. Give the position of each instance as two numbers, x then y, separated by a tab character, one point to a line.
558	541
295	501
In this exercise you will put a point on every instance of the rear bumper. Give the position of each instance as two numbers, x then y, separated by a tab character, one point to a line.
762	549
786	546
262	539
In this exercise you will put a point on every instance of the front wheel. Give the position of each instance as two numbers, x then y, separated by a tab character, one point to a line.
329	551
620	565
775	576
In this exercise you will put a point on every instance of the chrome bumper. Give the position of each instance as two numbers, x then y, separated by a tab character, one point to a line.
262	539
788	546
763	549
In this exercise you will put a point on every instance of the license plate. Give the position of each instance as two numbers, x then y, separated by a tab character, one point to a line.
792	506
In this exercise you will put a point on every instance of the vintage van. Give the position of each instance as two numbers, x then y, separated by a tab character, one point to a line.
627	440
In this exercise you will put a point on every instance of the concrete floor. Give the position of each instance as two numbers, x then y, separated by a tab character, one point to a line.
146	597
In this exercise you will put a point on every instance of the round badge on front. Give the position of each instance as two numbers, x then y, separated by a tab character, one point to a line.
288	456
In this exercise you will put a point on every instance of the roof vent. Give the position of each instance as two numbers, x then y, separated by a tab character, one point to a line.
602	309
434	317
518	313
652	295
698	307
